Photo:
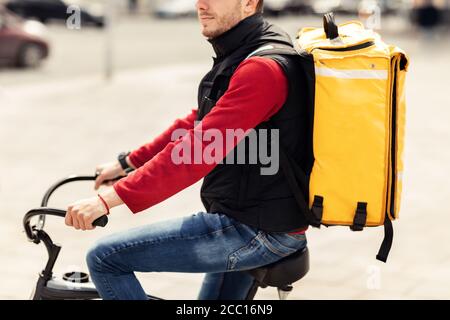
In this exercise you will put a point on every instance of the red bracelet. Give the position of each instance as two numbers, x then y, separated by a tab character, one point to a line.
104	203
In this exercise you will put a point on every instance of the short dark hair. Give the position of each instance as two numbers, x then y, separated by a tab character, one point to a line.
260	6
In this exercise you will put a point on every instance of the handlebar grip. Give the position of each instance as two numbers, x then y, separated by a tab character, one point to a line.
100	222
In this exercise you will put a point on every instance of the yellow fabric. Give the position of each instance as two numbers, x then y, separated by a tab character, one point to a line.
353	123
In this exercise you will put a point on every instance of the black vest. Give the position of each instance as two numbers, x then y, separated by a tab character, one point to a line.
239	190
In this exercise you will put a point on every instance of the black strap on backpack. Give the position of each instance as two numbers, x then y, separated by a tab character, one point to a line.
386	245
295	174
330	27
359	221
317	207
314	217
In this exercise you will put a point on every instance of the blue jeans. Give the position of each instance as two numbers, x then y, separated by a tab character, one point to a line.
209	243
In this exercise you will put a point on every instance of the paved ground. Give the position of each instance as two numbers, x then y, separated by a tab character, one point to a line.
65	119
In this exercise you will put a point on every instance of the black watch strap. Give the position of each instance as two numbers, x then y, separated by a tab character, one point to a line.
123	162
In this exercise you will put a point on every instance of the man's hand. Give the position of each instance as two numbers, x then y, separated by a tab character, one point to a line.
108	171
83	213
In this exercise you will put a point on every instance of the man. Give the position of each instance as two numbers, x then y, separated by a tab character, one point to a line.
252	219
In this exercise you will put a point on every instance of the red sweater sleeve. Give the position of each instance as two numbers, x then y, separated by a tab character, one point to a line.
257	90
143	154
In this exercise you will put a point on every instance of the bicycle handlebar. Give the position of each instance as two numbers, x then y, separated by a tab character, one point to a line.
64	181
99	222
43	211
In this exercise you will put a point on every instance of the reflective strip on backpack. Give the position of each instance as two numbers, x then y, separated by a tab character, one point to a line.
352	74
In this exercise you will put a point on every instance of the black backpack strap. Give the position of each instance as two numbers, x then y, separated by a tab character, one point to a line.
359	221
295	174
386	245
227	67
299	194
317	207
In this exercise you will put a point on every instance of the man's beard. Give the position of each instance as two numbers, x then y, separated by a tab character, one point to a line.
224	23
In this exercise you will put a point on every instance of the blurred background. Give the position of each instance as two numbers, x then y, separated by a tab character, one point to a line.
81	81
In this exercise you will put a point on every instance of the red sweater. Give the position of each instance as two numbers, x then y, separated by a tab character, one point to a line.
257	90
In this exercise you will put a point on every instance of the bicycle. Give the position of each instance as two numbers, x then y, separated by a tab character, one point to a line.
76	285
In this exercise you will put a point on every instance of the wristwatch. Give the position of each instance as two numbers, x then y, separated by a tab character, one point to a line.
123	162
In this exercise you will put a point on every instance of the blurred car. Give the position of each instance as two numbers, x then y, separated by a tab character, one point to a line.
47	10
22	43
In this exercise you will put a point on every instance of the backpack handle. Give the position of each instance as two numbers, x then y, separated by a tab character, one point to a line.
330	27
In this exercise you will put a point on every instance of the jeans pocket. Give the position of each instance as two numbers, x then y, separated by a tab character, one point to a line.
246	257
283	244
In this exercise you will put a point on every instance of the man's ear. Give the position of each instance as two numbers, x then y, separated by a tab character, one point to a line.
250	6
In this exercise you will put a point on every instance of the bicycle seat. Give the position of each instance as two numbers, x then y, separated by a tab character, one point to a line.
284	272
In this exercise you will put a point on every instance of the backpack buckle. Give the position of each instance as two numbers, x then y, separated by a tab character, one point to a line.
359	221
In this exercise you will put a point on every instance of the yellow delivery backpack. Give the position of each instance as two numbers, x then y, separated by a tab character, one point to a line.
354	84
358	127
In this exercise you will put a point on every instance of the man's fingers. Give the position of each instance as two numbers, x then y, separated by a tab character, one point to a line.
68	218
99	181
88	224
75	221
81	214
81	222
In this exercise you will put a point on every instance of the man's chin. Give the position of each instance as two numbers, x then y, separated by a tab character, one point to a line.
211	34
208	33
